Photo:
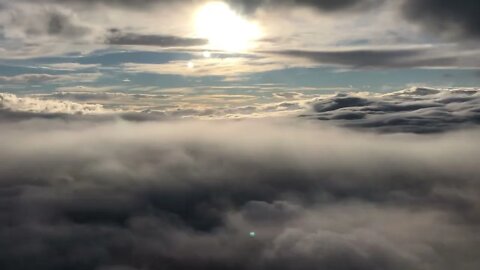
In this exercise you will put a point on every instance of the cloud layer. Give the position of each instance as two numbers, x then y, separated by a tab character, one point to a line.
413	110
186	195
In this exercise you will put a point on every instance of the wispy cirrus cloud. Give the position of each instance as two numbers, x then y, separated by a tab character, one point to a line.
26	79
230	66
30	78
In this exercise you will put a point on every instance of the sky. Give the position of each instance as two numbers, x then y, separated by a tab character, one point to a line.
237	49
239	135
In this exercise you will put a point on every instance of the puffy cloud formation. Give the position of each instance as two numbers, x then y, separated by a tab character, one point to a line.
141	107
186	195
419	110
413	110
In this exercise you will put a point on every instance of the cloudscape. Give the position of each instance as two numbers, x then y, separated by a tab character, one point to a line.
240	134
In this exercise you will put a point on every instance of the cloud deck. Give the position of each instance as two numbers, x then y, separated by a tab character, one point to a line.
173	195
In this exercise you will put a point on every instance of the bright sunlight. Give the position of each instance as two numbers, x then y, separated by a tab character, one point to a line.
224	28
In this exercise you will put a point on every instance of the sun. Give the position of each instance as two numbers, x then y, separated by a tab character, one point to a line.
224	28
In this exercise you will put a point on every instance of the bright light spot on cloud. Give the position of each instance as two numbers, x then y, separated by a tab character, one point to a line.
224	28
207	54
190	65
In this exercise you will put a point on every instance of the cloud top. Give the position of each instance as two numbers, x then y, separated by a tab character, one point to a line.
419	110
186	195
413	110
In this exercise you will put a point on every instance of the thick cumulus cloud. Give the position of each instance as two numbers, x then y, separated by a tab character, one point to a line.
419	110
186	195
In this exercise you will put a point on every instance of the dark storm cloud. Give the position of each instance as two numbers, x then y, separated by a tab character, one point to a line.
185	195
449	18
118	38
387	58
418	110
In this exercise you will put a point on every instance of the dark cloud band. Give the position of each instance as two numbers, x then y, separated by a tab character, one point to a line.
391	58
117	38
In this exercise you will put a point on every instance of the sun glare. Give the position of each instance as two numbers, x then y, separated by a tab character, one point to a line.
224	28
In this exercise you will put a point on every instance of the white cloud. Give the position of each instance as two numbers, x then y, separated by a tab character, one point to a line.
37	105
416	109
